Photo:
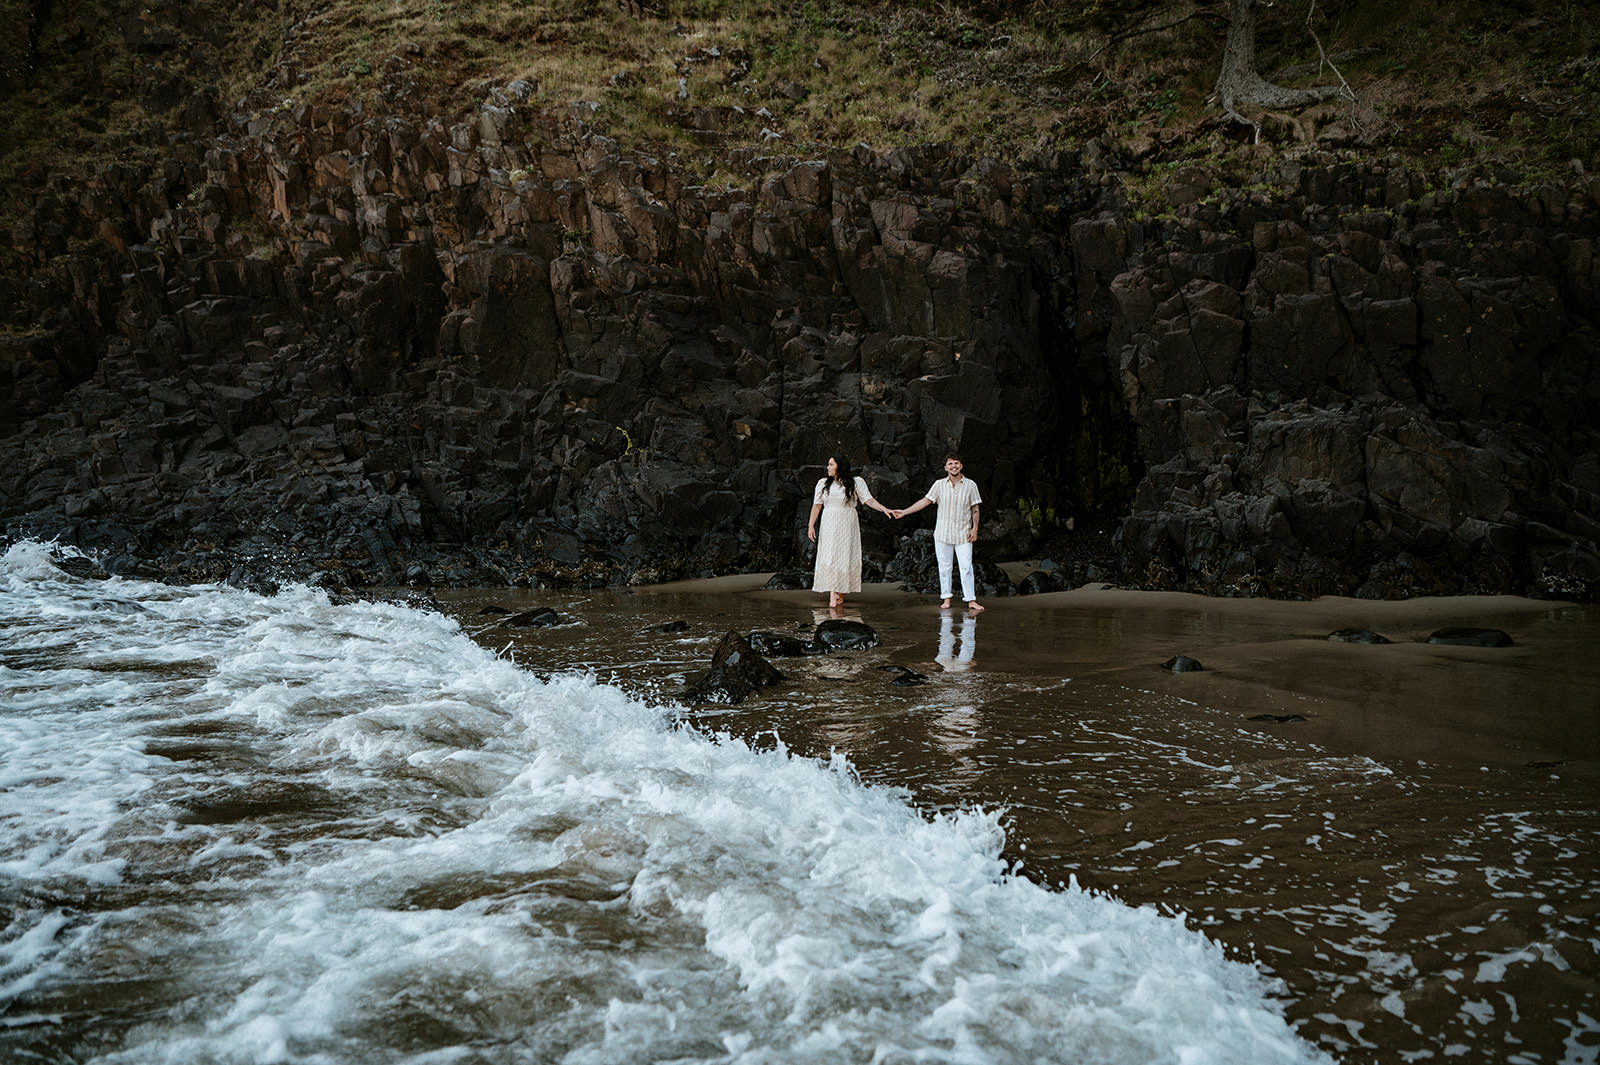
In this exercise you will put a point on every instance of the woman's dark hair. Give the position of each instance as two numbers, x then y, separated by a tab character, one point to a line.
846	477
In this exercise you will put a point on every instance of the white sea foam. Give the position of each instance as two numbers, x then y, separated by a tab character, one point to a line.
313	832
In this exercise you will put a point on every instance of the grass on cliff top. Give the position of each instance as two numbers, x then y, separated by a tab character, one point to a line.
1439	84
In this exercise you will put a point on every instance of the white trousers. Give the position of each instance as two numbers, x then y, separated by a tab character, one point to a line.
962	553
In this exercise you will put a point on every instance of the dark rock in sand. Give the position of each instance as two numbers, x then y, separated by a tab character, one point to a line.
793	581
1357	636
916	566
906	677
491	611
778	645
1183	664
1282	719
1040	581
1469	637
736	672
667	626
840	634
533	619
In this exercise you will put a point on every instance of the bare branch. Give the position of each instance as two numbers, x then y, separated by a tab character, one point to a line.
1128	35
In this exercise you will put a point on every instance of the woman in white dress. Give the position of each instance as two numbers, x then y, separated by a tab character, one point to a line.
839	542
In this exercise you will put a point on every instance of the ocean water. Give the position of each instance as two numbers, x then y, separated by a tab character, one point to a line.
246	829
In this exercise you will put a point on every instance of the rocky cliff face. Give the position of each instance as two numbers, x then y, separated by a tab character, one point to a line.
494	347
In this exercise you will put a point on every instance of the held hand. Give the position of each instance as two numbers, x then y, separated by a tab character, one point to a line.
897	514
972	537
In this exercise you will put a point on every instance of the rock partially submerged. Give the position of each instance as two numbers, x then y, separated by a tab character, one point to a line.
1470	637
544	617
736	672
80	566
905	676
1357	636
1183	664
778	645
842	634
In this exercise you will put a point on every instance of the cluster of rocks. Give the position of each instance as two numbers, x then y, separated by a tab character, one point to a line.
739	666
1380	391
496	348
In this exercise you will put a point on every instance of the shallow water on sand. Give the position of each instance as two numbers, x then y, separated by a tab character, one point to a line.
1409	841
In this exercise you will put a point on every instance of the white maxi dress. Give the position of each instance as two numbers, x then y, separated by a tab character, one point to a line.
838	537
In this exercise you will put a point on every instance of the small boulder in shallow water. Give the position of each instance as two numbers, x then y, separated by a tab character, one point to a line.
840	634
533	619
1466	637
906	677
1357	636
668	626
794	581
81	567
1183	664
777	645
736	672
1282	719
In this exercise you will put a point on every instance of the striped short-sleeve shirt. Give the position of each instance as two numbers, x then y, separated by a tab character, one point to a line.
952	523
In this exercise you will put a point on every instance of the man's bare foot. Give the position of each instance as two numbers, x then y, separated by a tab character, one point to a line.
945	605
975	607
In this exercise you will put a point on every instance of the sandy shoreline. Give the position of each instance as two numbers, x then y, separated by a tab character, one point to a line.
1535	704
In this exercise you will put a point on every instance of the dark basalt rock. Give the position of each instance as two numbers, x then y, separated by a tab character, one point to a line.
1264	399
1282	719
1470	637
410	597
792	581
1183	664
81	567
905	676
736	672
842	634
667	627
1040	581
544	617
777	645
914	564
252	581
494	611
1357	636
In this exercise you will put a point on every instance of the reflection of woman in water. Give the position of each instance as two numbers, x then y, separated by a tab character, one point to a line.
839	539
948	657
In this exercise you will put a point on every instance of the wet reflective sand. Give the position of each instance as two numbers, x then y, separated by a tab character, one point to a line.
1408	839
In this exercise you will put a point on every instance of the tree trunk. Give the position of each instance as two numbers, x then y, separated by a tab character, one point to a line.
1240	84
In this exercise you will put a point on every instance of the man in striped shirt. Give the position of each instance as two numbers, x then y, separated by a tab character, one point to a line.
955	528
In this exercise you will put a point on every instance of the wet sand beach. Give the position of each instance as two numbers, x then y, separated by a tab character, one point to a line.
1404	834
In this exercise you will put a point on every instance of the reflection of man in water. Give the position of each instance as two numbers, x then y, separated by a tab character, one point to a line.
949	657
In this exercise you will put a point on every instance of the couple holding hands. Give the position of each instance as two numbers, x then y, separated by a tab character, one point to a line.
839	543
